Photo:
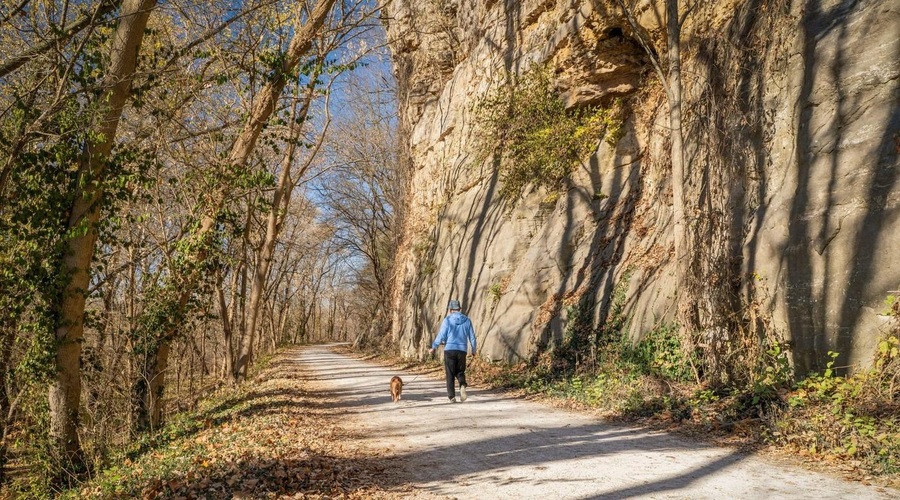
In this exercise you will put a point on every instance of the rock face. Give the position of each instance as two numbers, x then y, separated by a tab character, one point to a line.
793	200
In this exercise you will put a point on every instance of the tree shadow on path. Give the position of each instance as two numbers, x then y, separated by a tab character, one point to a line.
502	443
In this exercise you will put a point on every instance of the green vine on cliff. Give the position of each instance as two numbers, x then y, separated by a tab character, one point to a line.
533	137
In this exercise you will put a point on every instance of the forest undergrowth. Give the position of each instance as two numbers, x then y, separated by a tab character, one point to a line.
271	437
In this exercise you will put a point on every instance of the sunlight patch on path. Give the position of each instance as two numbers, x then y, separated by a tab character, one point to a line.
496	446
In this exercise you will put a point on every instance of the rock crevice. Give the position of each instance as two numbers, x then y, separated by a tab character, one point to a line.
791	128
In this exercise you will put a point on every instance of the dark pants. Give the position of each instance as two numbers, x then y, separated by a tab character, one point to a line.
455	369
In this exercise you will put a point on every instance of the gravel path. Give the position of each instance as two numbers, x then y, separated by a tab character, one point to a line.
496	446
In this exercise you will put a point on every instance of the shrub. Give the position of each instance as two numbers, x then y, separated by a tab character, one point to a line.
495	291
854	417
661	353
536	140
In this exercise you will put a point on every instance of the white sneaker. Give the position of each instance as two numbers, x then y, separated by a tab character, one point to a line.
462	393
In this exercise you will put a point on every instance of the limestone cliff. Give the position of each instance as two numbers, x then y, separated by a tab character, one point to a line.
791	130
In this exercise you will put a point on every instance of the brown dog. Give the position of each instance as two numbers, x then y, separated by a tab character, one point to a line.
396	388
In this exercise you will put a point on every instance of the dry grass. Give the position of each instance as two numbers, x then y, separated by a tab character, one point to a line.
274	437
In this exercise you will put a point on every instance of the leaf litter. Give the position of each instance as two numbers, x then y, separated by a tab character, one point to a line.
272	437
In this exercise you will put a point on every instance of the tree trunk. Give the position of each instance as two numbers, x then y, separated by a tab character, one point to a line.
331	318
227	335
280	202
6	341
65	390
266	101
265	104
228	326
682	242
282	322
147	391
671	82
300	329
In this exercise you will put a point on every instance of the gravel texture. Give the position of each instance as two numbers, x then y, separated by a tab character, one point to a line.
498	446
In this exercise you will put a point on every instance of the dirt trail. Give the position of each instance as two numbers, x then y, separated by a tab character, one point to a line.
496	446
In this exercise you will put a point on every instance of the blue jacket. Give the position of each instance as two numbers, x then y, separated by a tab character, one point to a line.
455	331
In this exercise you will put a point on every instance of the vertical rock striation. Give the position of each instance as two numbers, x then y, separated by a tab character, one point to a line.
791	131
